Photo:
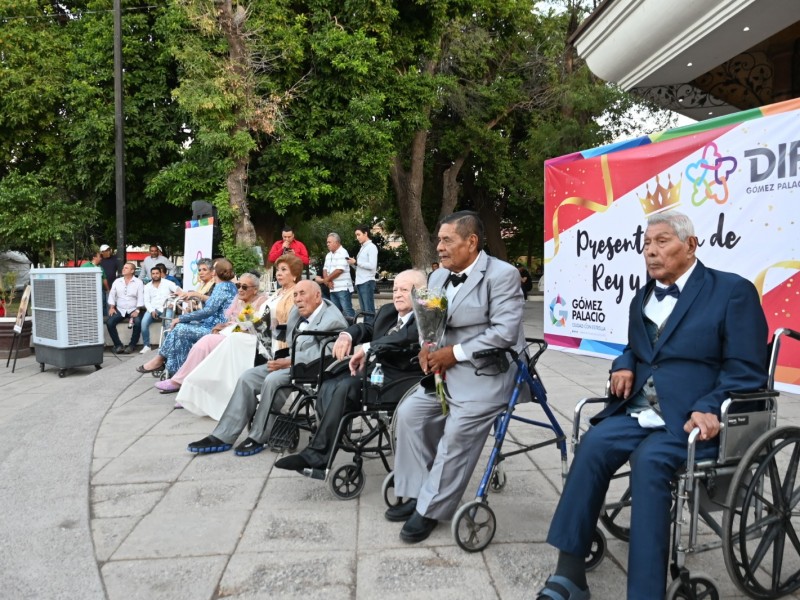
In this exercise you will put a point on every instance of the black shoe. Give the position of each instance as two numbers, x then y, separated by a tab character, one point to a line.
129	349
118	349
417	528
208	445
401	512
249	447
293	462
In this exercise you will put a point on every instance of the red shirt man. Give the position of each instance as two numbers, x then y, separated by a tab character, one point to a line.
289	244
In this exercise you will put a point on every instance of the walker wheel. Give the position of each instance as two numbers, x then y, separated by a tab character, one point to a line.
347	481
499	479
474	526
387	489
597	550
700	587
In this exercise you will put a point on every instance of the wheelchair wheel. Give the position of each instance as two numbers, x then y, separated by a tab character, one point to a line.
700	587
760	522
616	516
387	489
361	427
347	481
597	550
498	480
474	526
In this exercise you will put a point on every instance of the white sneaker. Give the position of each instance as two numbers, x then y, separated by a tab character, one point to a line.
144	350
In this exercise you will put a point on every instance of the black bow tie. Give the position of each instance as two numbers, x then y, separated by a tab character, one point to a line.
661	293
456	280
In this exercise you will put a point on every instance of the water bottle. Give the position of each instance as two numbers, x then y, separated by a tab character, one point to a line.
376	377
130	323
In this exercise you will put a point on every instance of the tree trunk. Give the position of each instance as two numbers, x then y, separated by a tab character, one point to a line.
245	233
237	192
408	191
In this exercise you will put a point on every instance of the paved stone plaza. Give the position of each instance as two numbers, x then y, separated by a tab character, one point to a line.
100	499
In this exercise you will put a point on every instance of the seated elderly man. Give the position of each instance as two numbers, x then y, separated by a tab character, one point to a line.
396	330
695	335
311	312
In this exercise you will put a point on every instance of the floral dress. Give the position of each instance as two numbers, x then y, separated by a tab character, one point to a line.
194	325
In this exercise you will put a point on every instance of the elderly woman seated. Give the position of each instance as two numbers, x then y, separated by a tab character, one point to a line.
190	327
249	304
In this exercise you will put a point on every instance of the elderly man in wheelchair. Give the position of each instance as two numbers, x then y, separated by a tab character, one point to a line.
696	335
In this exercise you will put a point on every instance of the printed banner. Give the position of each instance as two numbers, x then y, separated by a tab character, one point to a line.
736	177
197	244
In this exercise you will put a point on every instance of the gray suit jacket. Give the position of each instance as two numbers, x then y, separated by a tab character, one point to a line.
486	313
309	347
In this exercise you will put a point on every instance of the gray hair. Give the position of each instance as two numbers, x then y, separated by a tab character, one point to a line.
418	278
466	222
679	222
207	262
335	236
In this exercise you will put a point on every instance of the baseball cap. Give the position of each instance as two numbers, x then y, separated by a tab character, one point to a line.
105	247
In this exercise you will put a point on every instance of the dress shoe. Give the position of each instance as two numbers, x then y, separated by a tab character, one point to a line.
417	528
208	445
401	512
249	447
293	462
118	349
129	350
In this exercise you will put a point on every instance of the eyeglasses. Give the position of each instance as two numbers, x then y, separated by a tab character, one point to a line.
244	286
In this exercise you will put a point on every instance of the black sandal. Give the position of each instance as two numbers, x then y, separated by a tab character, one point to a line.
141	369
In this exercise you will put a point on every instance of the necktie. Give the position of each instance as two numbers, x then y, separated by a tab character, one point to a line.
456	280
398	326
661	293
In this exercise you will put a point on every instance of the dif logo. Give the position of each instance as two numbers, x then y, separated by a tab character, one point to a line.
558	311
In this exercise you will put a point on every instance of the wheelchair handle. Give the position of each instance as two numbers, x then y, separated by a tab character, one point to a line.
690	454
493	352
776	348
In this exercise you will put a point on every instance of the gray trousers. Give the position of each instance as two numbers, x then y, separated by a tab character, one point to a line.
244	405
436	454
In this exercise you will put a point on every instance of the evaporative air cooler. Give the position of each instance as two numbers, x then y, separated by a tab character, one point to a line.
67	317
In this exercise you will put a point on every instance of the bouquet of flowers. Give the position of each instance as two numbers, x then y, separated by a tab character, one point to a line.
430	310
247	319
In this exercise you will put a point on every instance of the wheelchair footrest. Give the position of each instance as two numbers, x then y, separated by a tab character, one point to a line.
285	434
314	473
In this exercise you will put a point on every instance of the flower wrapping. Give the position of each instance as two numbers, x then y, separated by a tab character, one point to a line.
430	310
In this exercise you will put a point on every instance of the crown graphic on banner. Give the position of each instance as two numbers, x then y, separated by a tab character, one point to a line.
662	198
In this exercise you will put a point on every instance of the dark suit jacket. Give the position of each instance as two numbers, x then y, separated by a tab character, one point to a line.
713	343
396	350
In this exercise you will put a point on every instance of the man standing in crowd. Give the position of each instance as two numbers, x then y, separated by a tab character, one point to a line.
695	335
156	294
93	262
288	244
108	262
125	301
311	312
365	263
437	453
154	259
336	276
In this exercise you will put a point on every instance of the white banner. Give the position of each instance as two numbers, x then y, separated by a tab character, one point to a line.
197	244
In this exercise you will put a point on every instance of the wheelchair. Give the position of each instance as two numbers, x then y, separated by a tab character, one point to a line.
474	524
365	433
305	380
752	483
